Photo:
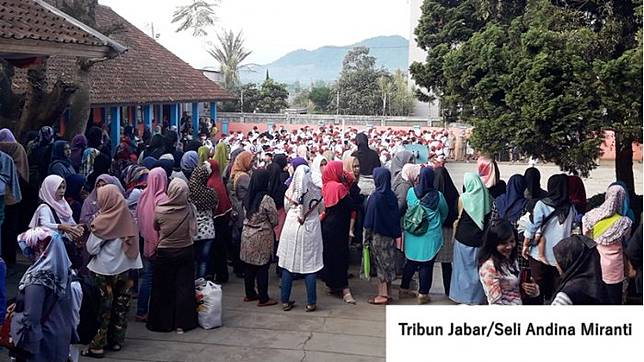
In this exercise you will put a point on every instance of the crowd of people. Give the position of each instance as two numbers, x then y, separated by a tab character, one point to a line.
156	214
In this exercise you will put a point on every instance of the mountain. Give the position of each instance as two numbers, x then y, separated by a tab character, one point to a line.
325	63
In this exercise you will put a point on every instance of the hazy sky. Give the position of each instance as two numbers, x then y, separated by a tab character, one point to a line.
272	27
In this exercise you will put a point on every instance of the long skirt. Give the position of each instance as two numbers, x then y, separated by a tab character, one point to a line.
172	301
446	253
466	287
383	256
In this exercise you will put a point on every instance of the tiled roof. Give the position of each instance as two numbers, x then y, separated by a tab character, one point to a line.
146	73
40	25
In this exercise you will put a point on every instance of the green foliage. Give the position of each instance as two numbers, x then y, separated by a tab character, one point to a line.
546	76
197	16
251	98
320	95
272	97
230	53
358	84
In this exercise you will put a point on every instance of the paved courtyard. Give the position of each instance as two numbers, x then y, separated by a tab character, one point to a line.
335	332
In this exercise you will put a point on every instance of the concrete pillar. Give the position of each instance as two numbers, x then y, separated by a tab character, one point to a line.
174	115
213	111
195	119
115	127
148	115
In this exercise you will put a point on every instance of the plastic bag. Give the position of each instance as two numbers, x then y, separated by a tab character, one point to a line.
209	303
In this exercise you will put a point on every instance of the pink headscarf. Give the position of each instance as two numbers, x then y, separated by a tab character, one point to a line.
487	171
47	194
153	194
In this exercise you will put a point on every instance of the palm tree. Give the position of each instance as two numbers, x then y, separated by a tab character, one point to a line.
230	53
197	16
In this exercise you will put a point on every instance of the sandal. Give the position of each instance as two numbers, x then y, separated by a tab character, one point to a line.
372	300
115	347
348	298
311	307
288	305
250	299
90	354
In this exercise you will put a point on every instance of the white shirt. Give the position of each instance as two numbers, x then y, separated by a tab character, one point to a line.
109	258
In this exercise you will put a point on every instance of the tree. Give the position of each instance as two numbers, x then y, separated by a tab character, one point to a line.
41	105
197	16
358	84
320	95
401	102
272	97
251	99
546	76
230	53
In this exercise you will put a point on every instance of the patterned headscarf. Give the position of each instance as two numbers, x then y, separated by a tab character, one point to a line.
52	268
612	205
202	196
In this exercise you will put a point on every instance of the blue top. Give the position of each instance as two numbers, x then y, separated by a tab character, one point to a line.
554	231
425	247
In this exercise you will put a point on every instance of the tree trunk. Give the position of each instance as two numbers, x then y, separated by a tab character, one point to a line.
624	161
12	104
79	107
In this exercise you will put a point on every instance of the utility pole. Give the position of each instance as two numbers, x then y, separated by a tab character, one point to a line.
242	103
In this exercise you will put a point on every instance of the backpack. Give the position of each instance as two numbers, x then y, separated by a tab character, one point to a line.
416	220
89	318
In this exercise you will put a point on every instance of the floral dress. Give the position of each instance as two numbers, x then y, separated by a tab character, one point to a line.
257	237
500	287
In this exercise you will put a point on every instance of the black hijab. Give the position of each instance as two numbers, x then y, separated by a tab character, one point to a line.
557	196
443	183
581	277
102	165
257	189
425	190
367	157
156	148
94	137
277	177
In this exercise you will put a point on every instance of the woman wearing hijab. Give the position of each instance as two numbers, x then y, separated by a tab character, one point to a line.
101	166
40	157
351	166
74	194
533	191
421	250
94	143
276	188
204	154
43	324
114	243
610	230
223	236
6	135
205	201
61	164
300	248
221	156
55	214
189	161
90	206
512	204
335	229
229	167
475	206
134	178
319	163
153	195
579	264
369	160
552	220
577	193
295	163
381	228
17	212
400	159
79	144
155	149
172	303
489	172
238	184
444	184
258	238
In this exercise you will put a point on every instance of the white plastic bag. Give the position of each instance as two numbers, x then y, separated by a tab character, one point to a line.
209	303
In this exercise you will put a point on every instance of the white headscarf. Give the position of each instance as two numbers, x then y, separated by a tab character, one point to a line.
47	194
316	173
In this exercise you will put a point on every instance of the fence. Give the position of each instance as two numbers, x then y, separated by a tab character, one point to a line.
325	119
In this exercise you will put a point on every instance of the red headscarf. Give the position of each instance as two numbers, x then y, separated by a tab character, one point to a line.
335	183
577	193
216	183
